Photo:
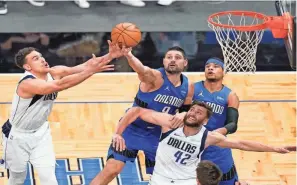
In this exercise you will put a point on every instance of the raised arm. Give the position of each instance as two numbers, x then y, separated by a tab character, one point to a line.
60	71
232	115
145	74
217	139
30	87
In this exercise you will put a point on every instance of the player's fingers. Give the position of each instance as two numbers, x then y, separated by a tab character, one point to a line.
104	62
113	143
175	123
117	47
291	148
107	66
124	145
108	69
180	123
286	151
119	145
123	49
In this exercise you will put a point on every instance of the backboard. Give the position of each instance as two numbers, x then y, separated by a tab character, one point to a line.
289	6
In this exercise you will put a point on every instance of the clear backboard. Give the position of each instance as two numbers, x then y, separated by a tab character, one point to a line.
289	6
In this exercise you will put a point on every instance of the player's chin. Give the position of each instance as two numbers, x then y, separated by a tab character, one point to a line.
190	123
210	77
46	70
173	70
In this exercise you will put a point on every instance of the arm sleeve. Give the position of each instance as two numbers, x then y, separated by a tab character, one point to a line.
232	119
184	108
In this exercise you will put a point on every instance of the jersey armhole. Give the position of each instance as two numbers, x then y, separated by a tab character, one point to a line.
165	134
203	139
25	78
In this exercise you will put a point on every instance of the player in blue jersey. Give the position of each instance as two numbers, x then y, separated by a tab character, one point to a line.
224	103
163	90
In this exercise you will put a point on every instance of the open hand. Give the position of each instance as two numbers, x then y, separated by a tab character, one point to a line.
281	150
98	64
118	142
115	51
177	120
290	148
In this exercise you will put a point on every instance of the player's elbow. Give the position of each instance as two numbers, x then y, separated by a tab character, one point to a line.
231	127
145	75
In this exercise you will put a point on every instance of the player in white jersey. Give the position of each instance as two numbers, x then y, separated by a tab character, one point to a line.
26	135
180	149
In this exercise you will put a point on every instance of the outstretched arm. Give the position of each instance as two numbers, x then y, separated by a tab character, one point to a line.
131	115
218	139
232	115
145	74
147	115
30	87
60	71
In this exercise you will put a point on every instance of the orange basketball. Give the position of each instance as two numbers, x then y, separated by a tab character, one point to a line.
126	34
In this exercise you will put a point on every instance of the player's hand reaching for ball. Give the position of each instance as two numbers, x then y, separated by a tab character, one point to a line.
126	51
97	64
115	51
118	142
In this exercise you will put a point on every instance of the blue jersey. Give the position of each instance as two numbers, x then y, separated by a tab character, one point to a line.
167	98
219	102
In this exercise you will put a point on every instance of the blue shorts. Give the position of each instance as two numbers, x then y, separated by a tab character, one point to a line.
135	141
230	177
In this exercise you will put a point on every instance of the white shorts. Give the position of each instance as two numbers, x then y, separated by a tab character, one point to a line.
160	180
23	146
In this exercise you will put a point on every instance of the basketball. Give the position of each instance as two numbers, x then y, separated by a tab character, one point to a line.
127	34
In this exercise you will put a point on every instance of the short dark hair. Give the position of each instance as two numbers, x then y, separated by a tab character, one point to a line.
205	105
20	57
208	173
177	48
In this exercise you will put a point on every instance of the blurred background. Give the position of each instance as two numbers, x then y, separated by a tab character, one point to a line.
68	32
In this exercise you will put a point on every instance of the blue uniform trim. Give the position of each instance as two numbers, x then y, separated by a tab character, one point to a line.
27	77
165	134
202	146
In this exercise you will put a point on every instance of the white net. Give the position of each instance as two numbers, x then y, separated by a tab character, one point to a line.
239	47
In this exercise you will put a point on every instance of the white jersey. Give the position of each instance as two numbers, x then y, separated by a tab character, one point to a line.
178	156
31	113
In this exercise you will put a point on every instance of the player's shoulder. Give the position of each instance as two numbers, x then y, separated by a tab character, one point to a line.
26	76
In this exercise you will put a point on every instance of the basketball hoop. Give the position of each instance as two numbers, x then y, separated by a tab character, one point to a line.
240	32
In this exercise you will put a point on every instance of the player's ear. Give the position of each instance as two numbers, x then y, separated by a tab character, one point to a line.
27	67
185	62
164	61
